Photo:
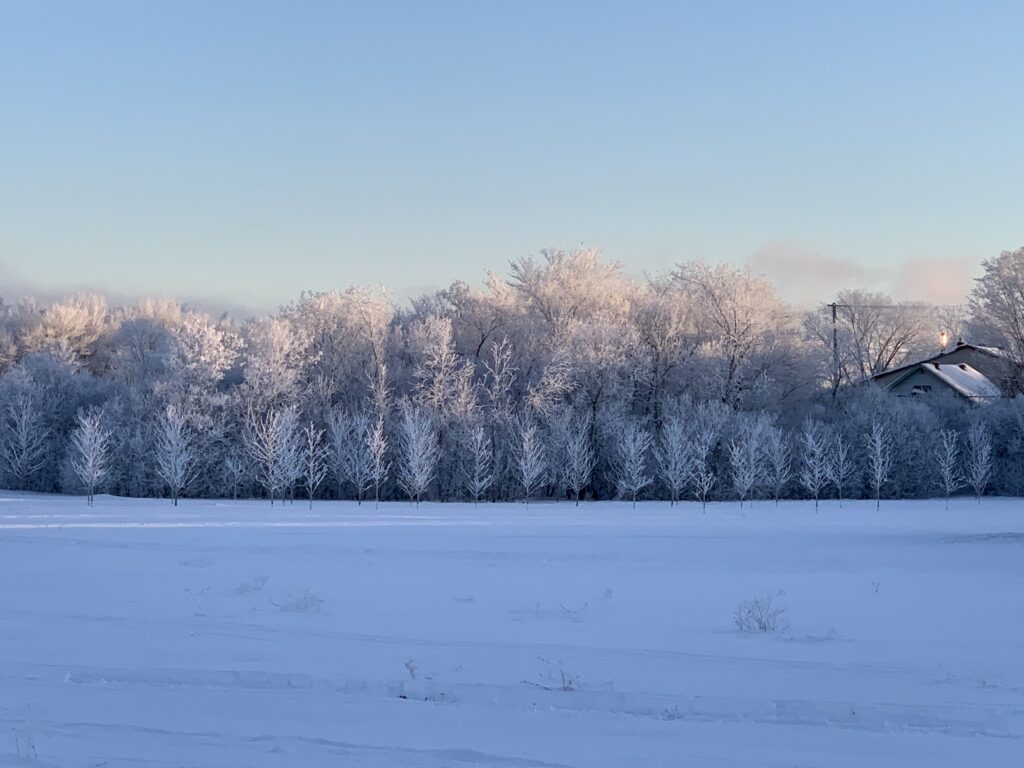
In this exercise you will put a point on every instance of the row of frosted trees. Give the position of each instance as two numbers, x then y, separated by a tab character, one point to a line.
691	457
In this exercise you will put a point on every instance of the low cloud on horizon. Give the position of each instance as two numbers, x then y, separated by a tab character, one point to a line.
805	276
14	288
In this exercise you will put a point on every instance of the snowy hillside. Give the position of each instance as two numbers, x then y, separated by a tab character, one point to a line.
231	634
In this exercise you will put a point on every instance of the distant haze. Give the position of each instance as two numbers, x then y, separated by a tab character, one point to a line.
802	273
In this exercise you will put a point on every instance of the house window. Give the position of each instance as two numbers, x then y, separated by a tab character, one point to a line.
921	389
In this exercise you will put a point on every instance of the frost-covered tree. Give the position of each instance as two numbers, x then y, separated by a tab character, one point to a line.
633	445
443	382
778	460
350	453
709	420
879	445
175	452
666	338
479	477
841	468
380	385
443	385
71	329
580	460
275	356
814	459
380	467
554	382
997	306
90	444
739	315
531	460
556	430
419	451
314	460
199	354
747	457
978	458
565	285
674	456
947	463
23	441
500	379
499	382
236	472
274	445
344	339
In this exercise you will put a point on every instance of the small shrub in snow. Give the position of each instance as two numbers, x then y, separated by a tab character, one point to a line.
304	602
763	614
572	613
255	584
556	678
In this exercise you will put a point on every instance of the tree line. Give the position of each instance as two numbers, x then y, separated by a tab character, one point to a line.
561	379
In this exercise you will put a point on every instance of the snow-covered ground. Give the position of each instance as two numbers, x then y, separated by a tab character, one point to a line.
233	634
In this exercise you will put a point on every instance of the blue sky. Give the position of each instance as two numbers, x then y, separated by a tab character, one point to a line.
248	151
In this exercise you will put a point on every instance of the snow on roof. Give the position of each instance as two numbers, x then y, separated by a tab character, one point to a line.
964	379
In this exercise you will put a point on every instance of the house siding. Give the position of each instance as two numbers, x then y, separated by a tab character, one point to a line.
920	378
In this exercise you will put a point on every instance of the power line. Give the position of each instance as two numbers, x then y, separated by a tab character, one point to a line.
919	307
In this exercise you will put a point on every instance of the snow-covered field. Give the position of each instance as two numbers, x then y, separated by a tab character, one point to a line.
233	634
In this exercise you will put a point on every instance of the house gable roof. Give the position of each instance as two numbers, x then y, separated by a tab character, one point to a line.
994	352
961	377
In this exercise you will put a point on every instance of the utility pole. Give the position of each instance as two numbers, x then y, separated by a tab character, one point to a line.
835	350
